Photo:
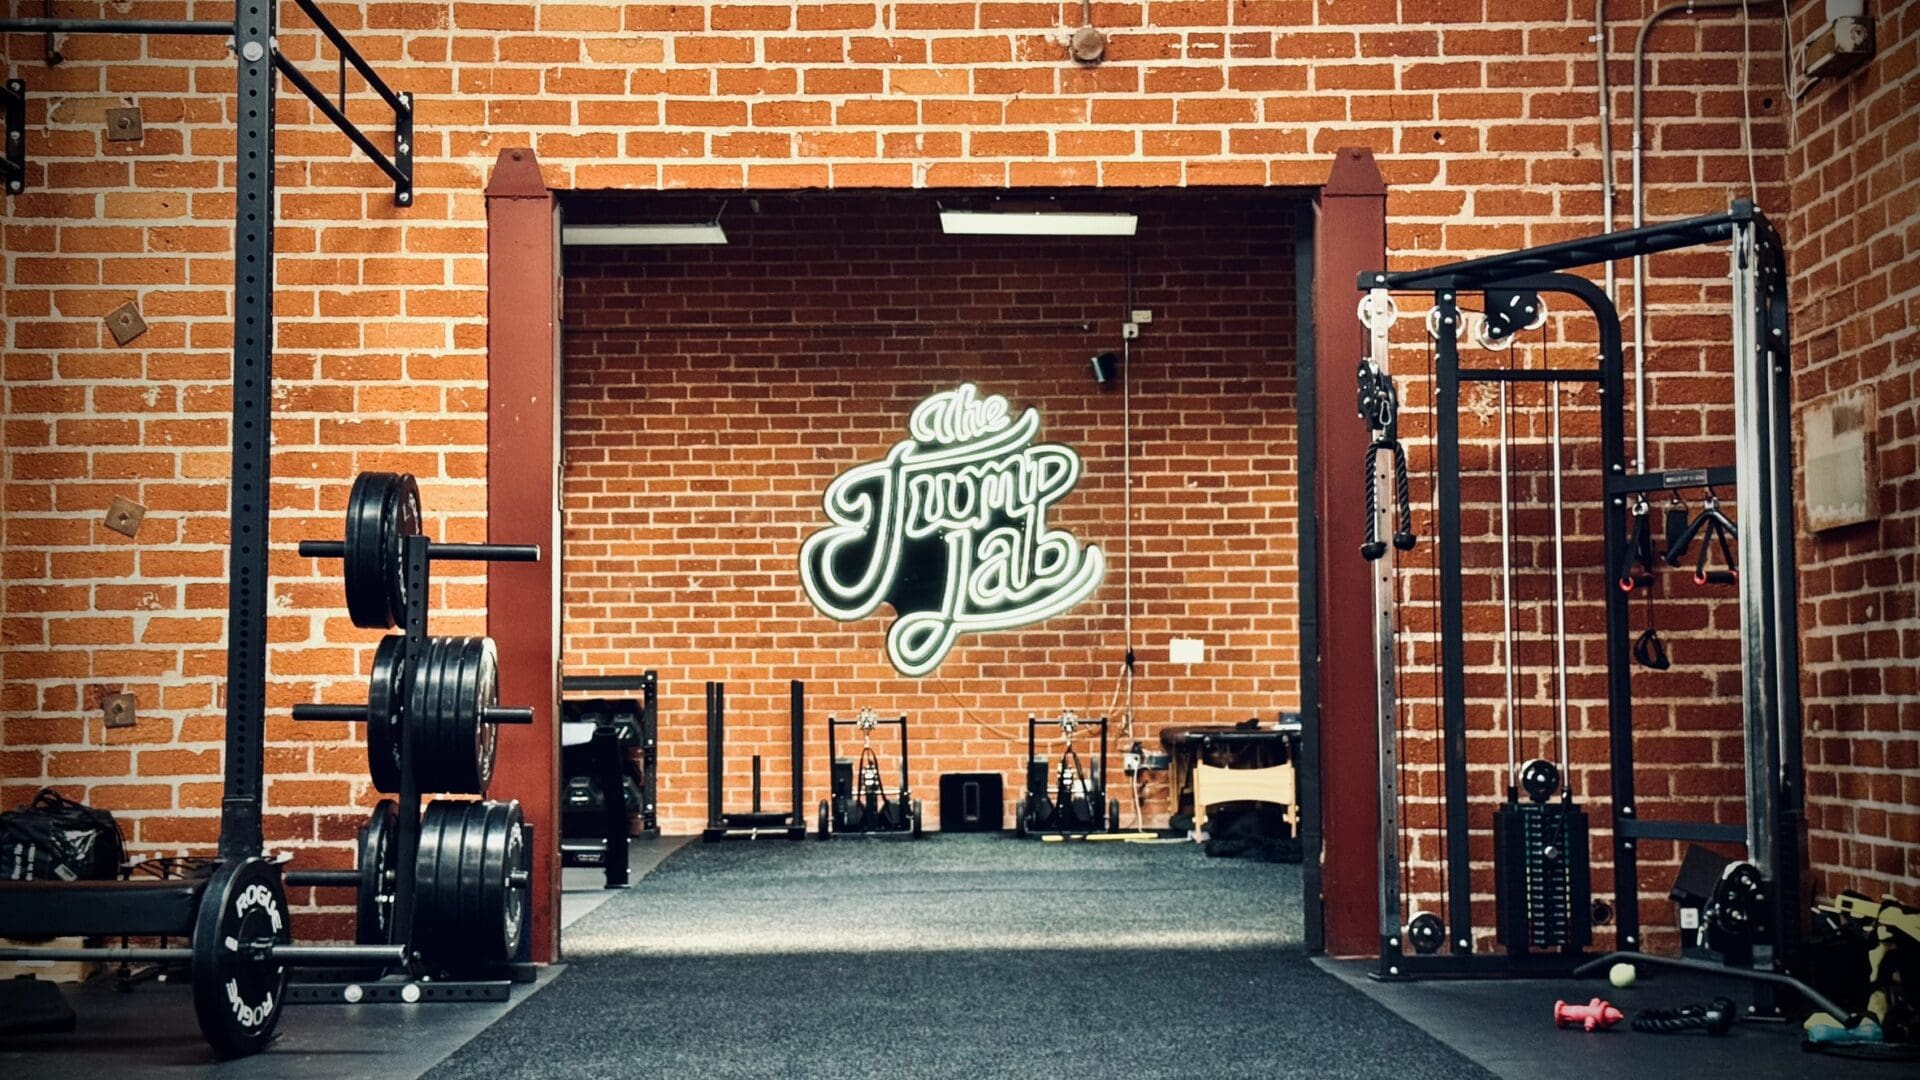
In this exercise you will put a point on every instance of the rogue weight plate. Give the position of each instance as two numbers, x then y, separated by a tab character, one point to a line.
379	846
237	996
382	511
516	883
383	714
472	885
485	658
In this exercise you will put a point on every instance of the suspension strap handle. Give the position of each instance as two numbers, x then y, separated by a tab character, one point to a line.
1636	557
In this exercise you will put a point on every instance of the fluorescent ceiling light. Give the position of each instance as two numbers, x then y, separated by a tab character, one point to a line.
1054	223
641	235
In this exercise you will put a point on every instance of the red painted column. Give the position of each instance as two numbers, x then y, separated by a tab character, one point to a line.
523	507
1350	238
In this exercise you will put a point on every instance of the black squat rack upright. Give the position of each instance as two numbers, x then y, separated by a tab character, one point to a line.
236	918
1762	475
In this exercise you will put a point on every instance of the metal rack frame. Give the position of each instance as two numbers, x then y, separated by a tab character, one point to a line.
1762	473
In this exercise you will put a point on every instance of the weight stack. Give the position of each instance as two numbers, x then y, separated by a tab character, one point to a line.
1542	882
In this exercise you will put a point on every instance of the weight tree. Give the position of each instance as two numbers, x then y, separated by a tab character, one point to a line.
1761	473
231	904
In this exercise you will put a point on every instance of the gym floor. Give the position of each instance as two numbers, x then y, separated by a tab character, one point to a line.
959	956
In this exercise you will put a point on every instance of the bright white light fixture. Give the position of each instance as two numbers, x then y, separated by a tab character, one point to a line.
642	235
1043	223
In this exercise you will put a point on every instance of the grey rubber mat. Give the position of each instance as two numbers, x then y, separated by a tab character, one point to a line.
953	957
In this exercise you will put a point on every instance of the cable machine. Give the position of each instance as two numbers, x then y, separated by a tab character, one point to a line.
1542	843
235	919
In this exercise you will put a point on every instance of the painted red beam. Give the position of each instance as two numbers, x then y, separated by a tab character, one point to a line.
1350	237
523	507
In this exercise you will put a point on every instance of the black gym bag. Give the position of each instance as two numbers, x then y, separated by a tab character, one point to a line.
1250	830
54	838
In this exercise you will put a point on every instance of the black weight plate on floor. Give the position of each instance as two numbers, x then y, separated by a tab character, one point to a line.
383	714
505	905
379	850
430	915
476	940
362	568
236	997
400	520
493	933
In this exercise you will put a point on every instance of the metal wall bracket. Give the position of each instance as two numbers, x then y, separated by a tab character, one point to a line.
399	167
13	166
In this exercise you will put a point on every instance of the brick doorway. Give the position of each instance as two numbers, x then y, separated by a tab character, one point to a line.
712	392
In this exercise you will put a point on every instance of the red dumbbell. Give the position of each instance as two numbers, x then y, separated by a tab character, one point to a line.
1595	1015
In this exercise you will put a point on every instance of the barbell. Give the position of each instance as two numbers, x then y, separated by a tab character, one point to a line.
449	715
383	511
241	950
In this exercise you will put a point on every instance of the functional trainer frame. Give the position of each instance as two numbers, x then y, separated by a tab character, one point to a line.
1762	473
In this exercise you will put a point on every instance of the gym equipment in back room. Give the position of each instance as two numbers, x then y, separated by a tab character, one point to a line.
723	824
859	801
1067	795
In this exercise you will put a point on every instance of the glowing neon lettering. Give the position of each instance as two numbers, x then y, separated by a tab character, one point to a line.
950	528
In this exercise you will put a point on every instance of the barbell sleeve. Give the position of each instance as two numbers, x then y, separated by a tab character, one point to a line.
323	549
504	715
483	552
317	955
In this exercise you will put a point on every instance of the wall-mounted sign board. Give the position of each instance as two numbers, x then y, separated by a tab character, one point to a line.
950	529
1843	482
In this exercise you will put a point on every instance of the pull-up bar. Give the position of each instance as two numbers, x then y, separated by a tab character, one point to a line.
398	167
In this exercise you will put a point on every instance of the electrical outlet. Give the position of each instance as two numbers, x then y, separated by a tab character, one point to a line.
1689	918
1130	330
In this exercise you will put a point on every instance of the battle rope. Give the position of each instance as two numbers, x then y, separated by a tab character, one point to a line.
1716	1018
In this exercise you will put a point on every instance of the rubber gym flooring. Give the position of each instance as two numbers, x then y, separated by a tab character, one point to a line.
954	957
957	956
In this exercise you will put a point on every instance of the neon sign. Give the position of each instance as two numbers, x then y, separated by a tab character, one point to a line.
950	529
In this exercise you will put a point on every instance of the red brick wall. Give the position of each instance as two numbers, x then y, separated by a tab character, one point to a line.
1855	226
1482	115
712	394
